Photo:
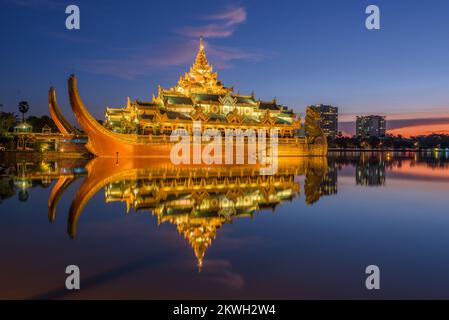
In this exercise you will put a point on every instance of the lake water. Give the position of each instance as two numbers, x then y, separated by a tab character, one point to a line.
140	229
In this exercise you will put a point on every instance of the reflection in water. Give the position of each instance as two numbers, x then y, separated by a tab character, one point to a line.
198	200
292	250
22	175
199	204
330	179
370	171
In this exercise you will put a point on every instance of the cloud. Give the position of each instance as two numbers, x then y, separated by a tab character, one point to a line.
404	123
220	271
406	127
220	25
67	36
230	17
223	56
34	3
146	60
177	52
417	130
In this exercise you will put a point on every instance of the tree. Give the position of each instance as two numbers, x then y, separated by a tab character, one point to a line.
39	122
7	121
23	108
23	195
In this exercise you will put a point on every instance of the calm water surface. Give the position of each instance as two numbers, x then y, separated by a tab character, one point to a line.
149	230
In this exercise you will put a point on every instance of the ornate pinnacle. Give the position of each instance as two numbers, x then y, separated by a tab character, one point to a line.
201	41
201	60
201	76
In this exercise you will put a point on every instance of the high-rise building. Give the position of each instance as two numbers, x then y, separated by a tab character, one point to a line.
370	126
329	119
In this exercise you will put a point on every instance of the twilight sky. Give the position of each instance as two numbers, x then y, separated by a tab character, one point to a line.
301	52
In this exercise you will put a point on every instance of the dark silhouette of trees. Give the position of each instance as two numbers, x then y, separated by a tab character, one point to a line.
7	121
389	142
39	122
23	195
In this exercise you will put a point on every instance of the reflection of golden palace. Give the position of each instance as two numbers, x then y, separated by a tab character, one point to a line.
143	128
197	199
198	206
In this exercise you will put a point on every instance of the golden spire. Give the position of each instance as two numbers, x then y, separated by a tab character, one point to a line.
201	41
201	64
200	78
200	232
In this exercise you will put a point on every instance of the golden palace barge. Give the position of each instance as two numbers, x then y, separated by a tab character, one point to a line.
143	129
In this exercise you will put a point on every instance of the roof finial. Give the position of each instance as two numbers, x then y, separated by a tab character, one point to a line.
201	41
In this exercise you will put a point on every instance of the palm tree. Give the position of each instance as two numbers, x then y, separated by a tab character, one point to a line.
23	108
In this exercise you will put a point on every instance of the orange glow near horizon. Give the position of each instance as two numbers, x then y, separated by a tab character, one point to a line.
421	170
426	129
431	114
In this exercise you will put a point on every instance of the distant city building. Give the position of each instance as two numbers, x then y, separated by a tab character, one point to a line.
329	119
370	172
329	183
370	126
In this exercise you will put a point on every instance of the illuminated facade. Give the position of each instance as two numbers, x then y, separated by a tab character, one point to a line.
370	126
200	95
328	120
143	129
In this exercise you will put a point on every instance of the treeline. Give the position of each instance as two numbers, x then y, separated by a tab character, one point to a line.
8	120
440	141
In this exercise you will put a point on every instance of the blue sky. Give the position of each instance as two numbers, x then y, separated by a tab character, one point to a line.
301	52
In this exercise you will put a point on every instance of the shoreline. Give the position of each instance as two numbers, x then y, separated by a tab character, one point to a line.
387	150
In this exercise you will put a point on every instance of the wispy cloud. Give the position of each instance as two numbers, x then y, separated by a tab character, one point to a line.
220	271
423	129
67	36
220	25
34	3
141	61
405	127
180	52
145	60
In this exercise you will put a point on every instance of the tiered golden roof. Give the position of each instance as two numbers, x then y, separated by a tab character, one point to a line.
200	92
140	127
200	78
